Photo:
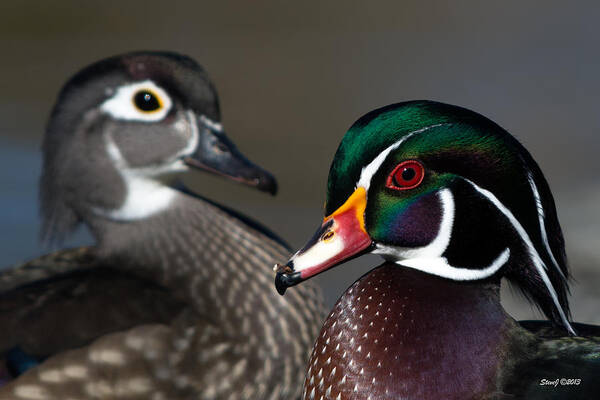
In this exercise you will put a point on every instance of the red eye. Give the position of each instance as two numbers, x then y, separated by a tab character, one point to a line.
406	175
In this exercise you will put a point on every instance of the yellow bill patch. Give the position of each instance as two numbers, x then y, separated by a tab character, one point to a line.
357	202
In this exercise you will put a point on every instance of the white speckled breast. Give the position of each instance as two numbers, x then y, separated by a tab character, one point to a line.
399	333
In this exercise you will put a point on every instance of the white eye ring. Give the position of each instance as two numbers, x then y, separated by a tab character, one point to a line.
122	104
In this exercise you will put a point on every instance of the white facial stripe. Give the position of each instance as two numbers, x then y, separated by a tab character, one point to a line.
439	266
542	216
215	126
319	253
535	258
121	104
367	172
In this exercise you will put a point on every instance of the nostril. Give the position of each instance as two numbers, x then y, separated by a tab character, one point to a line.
327	236
221	147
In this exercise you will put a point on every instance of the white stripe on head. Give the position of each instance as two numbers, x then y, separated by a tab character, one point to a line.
212	125
368	171
533	254
542	216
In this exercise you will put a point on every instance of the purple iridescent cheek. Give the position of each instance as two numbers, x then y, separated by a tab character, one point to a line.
418	224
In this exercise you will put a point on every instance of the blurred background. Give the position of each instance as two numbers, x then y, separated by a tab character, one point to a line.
293	77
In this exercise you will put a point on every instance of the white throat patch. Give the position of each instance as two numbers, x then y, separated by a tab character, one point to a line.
145	197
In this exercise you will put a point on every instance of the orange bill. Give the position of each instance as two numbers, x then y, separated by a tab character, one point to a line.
342	236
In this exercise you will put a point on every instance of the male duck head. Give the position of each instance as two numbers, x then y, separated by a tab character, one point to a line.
444	190
122	128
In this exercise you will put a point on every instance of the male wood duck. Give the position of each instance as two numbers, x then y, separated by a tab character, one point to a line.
453	203
175	300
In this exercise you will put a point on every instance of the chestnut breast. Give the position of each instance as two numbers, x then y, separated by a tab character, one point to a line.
400	333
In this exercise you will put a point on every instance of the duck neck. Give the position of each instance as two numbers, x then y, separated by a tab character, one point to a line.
414	335
221	268
182	247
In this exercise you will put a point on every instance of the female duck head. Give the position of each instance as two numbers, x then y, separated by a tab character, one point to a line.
444	190
124	124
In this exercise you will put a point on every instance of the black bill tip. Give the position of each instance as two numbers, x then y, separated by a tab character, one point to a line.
217	154
266	183
285	280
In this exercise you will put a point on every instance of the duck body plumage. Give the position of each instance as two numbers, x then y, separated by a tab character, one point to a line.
398	333
174	300
454	204
153	312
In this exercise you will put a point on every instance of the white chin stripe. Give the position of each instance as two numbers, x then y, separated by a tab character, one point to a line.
439	266
437	246
430	258
122	106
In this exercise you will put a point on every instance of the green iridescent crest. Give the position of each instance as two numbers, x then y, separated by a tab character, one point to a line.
455	131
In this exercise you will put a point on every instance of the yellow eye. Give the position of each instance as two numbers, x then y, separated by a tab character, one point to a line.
147	101
328	236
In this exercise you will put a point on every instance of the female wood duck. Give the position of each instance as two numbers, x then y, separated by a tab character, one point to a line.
453	203
174	301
